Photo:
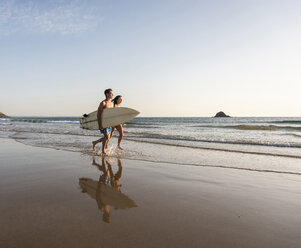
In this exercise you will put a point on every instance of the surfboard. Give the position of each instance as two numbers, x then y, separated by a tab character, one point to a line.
111	117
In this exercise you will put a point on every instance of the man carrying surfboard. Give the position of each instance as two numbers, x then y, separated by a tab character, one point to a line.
107	103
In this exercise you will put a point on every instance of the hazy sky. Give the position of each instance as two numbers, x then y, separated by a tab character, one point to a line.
166	58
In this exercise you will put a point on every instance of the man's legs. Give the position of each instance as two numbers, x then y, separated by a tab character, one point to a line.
94	143
105	141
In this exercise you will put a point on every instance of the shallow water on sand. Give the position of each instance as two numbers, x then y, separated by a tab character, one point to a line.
216	142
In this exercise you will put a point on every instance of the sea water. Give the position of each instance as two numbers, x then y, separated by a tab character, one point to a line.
252	143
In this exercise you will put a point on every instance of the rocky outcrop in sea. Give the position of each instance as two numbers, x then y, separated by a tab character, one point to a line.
221	114
3	115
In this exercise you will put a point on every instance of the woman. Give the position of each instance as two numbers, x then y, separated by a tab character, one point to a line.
117	102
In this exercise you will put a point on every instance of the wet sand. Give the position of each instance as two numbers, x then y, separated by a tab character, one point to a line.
52	198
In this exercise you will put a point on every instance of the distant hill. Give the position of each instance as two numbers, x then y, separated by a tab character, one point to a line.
221	114
3	115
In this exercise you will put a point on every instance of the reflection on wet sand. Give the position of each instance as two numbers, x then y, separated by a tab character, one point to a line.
106	191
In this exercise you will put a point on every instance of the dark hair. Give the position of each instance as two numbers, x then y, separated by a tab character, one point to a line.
116	99
107	91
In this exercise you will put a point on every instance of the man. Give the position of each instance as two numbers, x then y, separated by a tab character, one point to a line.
107	103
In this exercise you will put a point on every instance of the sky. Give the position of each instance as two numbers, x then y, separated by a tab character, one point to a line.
182	58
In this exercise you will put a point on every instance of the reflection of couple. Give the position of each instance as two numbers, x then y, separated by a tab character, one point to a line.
108	132
106	191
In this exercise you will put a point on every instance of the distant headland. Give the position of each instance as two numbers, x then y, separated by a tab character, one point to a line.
221	114
3	115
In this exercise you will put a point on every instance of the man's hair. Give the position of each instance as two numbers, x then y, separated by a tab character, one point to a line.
107	91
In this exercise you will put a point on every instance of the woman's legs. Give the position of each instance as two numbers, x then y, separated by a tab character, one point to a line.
120	130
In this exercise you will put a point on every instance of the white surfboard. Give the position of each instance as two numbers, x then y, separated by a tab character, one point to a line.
111	117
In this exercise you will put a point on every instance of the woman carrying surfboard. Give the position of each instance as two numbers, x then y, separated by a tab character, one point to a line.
117	102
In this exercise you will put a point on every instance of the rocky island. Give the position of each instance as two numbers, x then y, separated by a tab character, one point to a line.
3	115
221	114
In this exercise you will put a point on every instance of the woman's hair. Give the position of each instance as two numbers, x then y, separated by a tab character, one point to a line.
116	99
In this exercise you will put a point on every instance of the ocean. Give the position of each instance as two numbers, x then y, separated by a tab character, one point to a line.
264	144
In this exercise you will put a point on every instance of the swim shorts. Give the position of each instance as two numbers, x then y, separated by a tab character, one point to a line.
106	130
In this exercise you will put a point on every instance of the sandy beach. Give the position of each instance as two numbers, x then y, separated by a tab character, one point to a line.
150	124
52	198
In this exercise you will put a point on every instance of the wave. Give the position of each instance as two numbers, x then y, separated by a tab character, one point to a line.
135	123
144	126
75	144
55	133
229	142
139	157
287	122
293	135
266	127
167	139
29	120
224	149
36	120
66	121
254	127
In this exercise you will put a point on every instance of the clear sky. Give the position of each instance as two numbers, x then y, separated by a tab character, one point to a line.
165	57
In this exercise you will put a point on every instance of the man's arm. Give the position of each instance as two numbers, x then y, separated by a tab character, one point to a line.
99	112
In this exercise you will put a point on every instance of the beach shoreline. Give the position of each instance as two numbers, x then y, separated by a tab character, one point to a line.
54	198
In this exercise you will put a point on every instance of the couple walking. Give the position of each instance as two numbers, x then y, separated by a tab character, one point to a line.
108	132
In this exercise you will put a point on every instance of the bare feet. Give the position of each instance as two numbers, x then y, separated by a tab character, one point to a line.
120	147
94	145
